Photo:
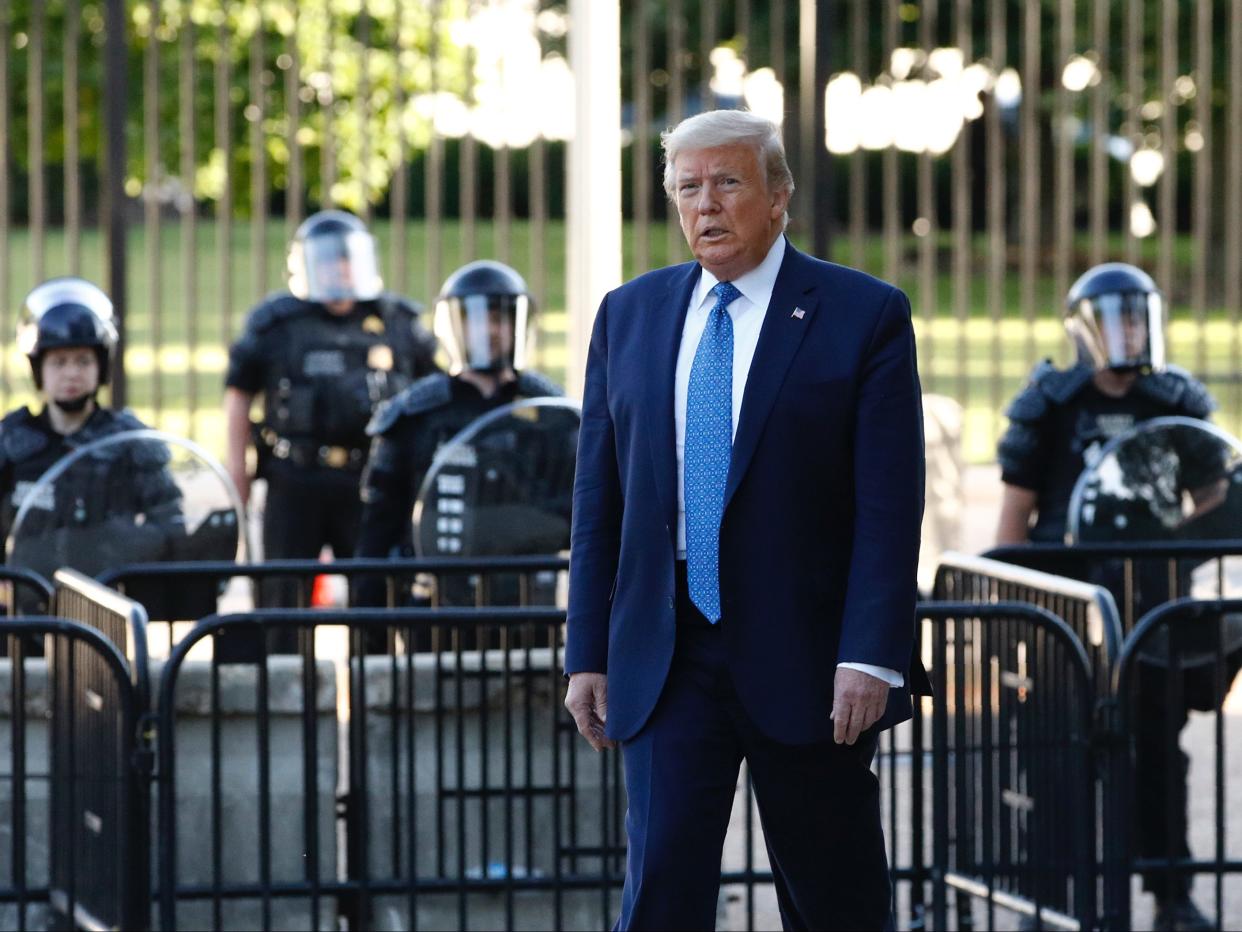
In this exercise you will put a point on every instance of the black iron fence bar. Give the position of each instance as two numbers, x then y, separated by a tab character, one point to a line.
116	170
20	894
154	169
73	194
22	578
186	85
6	175
1120	860
36	148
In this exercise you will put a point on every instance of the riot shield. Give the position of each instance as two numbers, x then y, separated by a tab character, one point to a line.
1165	480
138	496
502	486
1170	478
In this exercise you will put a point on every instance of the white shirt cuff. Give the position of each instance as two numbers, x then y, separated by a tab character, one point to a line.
891	677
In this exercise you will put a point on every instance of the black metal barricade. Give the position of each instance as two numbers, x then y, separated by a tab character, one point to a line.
1089	610
24	592
1202	569
124	623
468	799
1010	821
1182	656
465	799
70	745
179	592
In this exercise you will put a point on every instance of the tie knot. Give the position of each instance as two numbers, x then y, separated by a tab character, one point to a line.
726	293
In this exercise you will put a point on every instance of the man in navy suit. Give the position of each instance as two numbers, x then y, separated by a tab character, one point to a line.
745	538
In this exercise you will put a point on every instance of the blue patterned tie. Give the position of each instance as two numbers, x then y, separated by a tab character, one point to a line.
709	444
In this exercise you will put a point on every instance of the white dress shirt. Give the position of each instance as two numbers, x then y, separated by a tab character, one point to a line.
747	313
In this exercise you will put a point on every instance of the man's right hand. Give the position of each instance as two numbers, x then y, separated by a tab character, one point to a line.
587	701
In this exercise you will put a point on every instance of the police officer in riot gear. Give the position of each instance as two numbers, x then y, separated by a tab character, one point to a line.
67	332
323	355
484	320
1058	424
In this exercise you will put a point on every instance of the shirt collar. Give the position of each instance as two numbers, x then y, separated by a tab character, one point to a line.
756	285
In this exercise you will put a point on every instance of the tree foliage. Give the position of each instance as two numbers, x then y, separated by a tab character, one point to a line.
359	68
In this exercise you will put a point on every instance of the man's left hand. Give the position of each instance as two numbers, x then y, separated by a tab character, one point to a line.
858	701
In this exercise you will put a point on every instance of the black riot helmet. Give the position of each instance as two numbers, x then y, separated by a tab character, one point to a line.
1115	315
63	313
484	318
333	258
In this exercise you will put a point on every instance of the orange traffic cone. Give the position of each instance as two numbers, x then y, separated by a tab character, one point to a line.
321	592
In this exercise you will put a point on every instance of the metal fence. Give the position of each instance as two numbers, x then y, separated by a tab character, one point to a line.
1012	770
74	823
980	153
1202	569
101	763
441	783
1089	610
24	591
1181	657
469	799
181	593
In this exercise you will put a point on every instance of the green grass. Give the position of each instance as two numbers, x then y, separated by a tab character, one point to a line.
981	361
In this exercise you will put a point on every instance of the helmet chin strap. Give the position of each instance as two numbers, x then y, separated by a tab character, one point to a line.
74	405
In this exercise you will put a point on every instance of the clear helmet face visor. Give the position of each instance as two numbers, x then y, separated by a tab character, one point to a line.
335	267
1119	330
487	333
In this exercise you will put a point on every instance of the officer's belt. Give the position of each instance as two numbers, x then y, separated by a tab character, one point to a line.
306	453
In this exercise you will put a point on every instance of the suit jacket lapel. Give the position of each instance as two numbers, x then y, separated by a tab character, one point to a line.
779	339
666	318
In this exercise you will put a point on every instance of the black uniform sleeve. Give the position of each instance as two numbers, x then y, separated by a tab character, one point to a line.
387	496
387	502
246	361
1023	449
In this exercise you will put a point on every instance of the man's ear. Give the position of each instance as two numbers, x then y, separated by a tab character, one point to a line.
780	203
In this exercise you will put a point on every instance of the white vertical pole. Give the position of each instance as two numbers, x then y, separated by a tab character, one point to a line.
594	203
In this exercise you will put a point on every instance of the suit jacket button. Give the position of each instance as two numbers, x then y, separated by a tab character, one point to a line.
672	602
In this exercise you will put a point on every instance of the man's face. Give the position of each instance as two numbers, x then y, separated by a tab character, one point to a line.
500	332
1134	335
69	373
1125	333
728	215
337	276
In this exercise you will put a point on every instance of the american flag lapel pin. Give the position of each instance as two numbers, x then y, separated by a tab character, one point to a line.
798	313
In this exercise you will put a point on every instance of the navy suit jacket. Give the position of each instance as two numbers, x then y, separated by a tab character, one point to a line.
823	503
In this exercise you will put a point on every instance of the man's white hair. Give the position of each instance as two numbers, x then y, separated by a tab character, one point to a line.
725	128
